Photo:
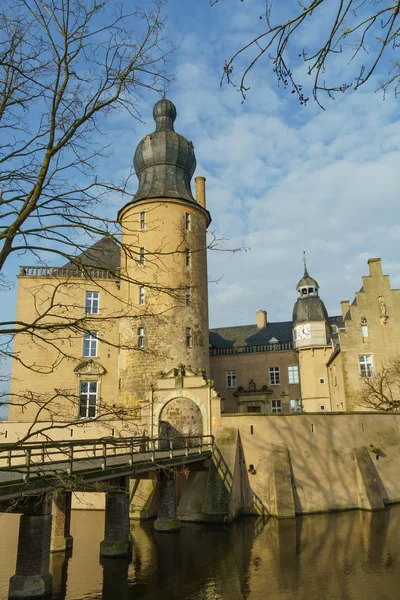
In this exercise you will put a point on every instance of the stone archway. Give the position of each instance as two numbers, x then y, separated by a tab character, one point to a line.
181	417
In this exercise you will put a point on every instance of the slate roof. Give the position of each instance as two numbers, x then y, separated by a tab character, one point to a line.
310	308
250	335
164	160
104	254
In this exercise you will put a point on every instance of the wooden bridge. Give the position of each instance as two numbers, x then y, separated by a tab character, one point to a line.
40	466
37	479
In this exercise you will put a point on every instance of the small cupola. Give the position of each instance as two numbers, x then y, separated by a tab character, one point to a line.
307	286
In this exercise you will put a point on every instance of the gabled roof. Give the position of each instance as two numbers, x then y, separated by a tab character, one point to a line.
104	254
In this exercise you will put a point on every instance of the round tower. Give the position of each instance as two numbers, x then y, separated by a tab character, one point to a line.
163	262
310	317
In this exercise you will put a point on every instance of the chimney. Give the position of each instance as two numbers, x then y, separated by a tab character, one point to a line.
375	267
201	191
261	319
345	307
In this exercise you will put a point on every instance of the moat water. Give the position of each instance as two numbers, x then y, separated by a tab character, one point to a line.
344	556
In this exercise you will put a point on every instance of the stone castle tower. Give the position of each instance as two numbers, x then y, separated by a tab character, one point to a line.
164	264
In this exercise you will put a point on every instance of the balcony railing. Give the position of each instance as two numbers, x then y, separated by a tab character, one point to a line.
251	349
81	273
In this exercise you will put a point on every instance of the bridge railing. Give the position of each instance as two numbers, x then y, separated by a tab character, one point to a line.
39	457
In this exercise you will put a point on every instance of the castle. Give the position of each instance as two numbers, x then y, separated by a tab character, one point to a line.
121	320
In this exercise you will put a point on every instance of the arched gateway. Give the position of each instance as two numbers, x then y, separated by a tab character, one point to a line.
180	417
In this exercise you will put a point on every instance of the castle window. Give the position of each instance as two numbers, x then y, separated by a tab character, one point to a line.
187	221
295	405
142	258
276	406
231	379
140	333
141	295
92	303
274	376
90	343
366	365
322	407
293	374
188	296
254	409
88	397
364	331
188	337
188	258
143	220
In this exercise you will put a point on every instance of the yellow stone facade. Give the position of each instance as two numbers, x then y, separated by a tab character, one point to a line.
151	318
371	329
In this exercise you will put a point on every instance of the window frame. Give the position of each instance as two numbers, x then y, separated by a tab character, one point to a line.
188	258
275	372
293	374
90	338
364	331
142	295
296	407
188	221
188	296
277	408
369	373
230	378
140	337
142	220
189	338
142	256
85	397
90	301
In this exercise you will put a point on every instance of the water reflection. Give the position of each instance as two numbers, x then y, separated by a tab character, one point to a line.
346	556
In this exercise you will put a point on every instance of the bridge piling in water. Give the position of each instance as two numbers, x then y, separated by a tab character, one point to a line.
61	538
167	521
32	577
117	541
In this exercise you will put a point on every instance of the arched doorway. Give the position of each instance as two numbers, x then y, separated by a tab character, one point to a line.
181	417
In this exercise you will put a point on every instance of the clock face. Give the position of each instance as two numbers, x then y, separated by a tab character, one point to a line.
303	332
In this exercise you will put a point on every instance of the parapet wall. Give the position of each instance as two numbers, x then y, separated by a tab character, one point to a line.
330	465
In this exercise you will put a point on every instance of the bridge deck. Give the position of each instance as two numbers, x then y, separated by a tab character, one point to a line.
34	468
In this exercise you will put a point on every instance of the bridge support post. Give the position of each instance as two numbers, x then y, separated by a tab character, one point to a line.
167	521
117	541
61	538
32	578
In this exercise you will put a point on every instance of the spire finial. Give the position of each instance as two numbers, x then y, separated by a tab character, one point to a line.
305	264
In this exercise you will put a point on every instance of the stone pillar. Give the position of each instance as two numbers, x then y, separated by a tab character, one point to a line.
61	538
167	521
116	527
32	578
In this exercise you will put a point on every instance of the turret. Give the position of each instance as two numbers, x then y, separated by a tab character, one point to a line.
310	317
164	262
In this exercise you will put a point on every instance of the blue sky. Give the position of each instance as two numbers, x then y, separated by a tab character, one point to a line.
281	178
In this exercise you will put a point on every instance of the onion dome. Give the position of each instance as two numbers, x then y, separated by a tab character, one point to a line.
309	307
164	160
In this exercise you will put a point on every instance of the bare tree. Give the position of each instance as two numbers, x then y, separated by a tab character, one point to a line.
369	29
65	67
382	392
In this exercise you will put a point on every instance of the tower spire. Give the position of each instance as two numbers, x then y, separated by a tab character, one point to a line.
305	264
